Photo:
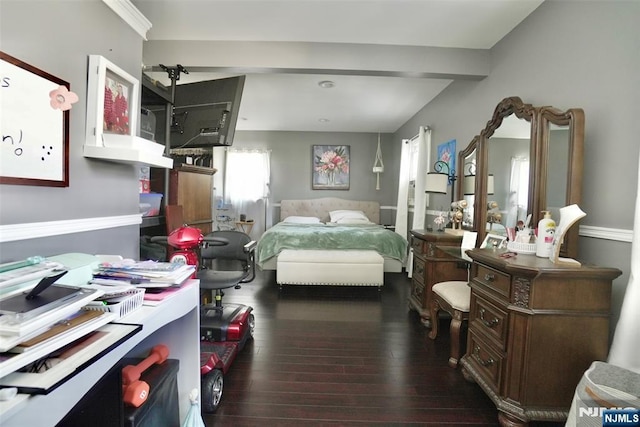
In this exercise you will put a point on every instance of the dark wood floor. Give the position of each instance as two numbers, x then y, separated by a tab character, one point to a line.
335	356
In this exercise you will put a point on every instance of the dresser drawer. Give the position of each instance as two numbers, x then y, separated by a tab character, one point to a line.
418	269
495	280
486	360
489	319
417	292
419	246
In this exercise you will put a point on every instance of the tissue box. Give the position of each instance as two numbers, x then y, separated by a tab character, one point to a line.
150	204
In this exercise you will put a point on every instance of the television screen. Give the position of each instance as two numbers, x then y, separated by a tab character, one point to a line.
205	113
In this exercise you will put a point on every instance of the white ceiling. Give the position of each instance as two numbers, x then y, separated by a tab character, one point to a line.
388	58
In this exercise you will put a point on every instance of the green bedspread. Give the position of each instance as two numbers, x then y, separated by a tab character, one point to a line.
322	236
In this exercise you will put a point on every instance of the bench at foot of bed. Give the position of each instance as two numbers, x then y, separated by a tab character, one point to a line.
332	267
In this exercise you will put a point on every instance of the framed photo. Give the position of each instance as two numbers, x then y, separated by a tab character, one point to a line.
112	103
447	154
34	111
494	241
330	167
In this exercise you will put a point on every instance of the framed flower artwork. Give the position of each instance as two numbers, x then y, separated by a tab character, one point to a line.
330	164
112	102
34	112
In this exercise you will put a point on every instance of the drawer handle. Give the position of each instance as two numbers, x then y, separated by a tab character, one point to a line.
488	323
476	355
489	277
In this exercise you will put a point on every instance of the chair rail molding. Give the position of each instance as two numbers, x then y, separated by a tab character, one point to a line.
33	230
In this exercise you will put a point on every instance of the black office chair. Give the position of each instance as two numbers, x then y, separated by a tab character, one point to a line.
226	265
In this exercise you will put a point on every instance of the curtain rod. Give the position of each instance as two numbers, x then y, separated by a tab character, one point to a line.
406	141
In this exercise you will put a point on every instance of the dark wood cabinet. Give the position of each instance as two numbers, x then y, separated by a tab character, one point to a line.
432	265
192	188
534	328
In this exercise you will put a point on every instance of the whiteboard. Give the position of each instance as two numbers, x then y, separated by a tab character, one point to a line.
35	135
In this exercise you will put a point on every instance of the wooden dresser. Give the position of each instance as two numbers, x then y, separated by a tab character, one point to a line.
430	266
534	328
192	188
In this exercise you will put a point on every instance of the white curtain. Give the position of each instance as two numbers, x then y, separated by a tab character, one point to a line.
420	200
402	208
246	185
626	341
414	163
518	191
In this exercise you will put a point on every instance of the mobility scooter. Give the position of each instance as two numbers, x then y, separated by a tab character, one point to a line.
224	328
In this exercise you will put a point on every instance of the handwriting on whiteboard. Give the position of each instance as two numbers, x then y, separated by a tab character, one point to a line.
33	133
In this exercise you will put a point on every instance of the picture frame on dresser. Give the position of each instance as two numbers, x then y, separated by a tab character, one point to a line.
494	241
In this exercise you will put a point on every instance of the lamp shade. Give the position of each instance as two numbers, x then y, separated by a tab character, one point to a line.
469	185
436	183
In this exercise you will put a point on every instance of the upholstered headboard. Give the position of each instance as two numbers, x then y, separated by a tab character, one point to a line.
321	207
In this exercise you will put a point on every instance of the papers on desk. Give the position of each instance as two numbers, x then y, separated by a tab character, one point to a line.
19	324
25	272
144	274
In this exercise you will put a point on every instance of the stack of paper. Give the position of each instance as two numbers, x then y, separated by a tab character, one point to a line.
142	274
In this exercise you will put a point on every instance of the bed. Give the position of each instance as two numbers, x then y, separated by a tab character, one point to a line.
330	241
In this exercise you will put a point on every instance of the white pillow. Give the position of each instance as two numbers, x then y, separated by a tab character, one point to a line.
302	220
354	221
339	215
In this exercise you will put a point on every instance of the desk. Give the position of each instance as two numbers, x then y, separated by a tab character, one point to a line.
244	226
164	324
431	265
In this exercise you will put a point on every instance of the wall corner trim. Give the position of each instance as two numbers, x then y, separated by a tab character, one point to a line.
131	15
14	232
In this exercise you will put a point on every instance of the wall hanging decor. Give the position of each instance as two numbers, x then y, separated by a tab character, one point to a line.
112	104
330	167
34	108
378	165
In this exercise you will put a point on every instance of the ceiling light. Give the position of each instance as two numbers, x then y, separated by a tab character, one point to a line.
323	120
326	84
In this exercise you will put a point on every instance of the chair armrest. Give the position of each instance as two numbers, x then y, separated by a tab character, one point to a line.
250	247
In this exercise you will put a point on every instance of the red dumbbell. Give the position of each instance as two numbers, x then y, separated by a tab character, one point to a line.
135	392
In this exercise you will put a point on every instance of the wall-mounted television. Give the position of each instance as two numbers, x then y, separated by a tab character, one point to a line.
205	113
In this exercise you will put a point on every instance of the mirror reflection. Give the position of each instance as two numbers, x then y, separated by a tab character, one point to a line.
528	160
508	166
557	161
468	184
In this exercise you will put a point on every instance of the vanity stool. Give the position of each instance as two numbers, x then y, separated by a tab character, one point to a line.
453	297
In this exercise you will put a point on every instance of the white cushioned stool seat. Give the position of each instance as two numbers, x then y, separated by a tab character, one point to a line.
454	297
330	267
456	293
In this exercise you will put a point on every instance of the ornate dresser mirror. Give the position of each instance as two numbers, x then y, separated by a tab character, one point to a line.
527	159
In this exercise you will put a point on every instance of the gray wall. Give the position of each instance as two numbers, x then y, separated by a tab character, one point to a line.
566	54
291	163
57	37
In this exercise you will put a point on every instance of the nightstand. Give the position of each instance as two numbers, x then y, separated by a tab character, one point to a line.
244	226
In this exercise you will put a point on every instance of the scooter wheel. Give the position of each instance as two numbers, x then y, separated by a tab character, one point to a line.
212	385
252	325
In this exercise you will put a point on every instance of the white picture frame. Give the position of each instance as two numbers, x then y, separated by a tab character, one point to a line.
111	121
494	241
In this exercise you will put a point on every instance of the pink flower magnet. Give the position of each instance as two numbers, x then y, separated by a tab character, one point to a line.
61	98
